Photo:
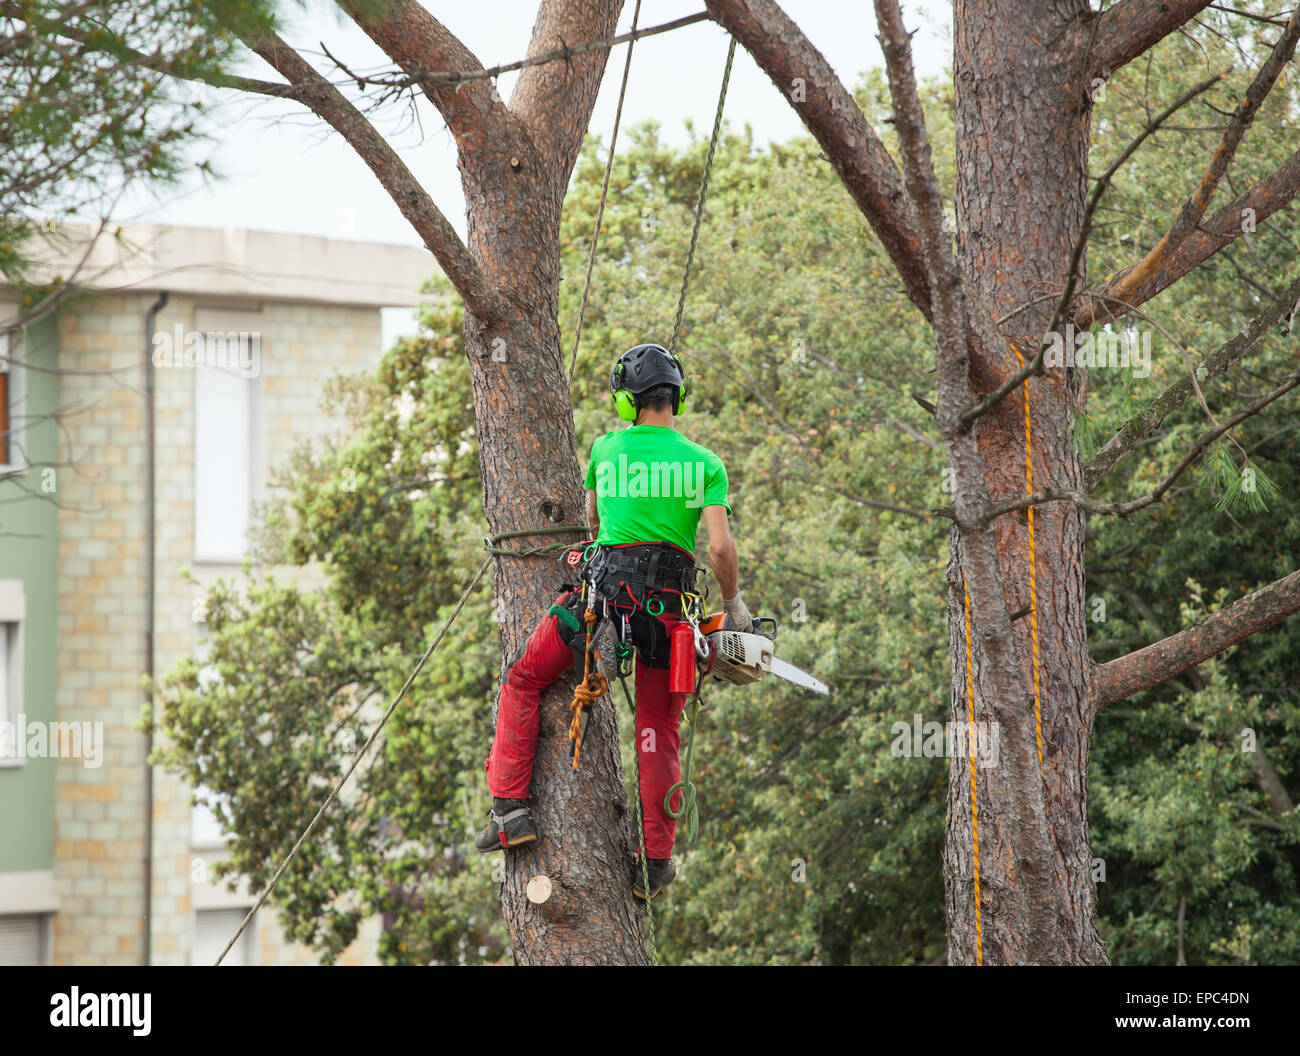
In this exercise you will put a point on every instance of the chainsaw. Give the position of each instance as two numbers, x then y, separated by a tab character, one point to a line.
742	657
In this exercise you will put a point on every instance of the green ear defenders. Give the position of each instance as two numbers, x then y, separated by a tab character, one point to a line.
641	368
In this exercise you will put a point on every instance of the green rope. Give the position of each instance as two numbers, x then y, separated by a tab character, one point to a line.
604	194
490	541
689	808
640	820
699	205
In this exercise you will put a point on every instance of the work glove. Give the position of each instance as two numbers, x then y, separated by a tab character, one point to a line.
738	613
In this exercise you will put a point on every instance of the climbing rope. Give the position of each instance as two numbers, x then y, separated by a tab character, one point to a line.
974	805
490	541
604	193
688	808
704	188
401	693
593	686
625	667
970	677
1033	573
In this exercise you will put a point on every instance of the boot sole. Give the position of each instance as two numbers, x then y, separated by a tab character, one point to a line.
512	843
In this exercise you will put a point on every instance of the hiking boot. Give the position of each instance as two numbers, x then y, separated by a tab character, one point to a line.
660	872
510	823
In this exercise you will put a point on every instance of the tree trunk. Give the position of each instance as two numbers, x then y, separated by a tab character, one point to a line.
531	477
1022	115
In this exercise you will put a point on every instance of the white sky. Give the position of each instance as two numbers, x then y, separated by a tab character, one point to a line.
286	172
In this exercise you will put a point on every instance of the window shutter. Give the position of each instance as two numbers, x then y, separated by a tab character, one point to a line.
21	941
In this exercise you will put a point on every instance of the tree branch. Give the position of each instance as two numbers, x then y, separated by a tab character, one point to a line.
1242	214
1123	509
554	100
1127	29
1136	277
173	66
560	54
1163	660
1150	418
414	202
418	42
831	114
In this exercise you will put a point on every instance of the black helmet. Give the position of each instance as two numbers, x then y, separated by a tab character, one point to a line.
642	368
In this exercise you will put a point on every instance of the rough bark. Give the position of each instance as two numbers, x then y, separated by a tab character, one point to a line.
514	188
1127	29
515	164
1022	133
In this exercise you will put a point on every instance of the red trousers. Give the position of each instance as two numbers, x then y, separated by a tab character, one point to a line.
545	658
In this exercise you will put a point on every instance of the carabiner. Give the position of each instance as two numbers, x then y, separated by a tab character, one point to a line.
701	643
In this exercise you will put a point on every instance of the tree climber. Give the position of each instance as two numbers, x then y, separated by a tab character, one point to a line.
648	487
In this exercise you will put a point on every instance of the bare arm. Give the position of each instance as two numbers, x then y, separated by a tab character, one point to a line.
593	518
722	551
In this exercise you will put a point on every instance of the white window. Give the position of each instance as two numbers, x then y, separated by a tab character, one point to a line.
212	930
12	402
12	613
24	940
226	451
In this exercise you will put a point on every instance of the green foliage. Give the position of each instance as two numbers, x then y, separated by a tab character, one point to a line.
818	845
1179	810
90	105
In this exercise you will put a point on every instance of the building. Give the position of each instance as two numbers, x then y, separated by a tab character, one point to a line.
77	801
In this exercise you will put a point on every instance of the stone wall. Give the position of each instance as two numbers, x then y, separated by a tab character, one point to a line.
101	586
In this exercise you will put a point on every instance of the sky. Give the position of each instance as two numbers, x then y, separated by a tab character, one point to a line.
284	171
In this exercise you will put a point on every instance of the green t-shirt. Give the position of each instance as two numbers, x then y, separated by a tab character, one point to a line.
651	484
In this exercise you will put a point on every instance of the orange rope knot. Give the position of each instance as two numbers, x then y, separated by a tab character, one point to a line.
585	694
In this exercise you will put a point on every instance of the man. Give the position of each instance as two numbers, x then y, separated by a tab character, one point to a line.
649	487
